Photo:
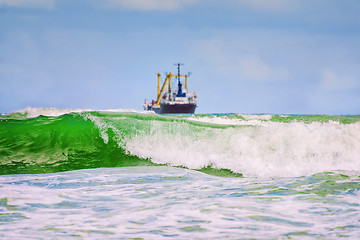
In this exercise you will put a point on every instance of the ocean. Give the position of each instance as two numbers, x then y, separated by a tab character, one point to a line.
125	174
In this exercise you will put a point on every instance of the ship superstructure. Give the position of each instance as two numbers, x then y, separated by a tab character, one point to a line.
173	100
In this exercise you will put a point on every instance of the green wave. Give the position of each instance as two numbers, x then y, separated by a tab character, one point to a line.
98	139
288	118
74	141
345	119
55	144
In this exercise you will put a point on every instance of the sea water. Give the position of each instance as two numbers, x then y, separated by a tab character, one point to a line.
70	174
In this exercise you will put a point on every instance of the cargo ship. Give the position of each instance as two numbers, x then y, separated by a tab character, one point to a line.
169	100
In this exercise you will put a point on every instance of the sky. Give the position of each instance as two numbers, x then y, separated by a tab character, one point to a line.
245	56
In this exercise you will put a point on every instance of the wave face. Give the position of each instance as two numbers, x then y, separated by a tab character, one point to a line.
251	145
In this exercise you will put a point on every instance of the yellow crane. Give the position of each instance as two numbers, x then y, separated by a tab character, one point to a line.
167	82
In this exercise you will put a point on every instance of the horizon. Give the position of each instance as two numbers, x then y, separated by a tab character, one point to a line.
49	111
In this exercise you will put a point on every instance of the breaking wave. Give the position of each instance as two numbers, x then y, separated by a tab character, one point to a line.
54	140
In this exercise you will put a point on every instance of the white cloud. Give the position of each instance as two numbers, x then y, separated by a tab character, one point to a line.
255	68
333	81
147	5
47	4
229	59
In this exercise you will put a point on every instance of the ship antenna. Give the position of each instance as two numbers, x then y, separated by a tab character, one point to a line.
178	67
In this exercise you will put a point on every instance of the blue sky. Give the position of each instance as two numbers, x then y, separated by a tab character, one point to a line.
246	56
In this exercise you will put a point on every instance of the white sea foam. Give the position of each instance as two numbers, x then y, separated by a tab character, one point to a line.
54	112
255	120
51	112
163	202
274	150
264	117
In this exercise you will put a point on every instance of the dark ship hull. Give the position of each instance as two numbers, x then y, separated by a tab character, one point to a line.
176	108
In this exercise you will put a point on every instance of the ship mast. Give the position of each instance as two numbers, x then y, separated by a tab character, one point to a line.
179	91
178	67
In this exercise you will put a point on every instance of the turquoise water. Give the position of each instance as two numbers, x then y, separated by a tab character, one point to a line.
122	175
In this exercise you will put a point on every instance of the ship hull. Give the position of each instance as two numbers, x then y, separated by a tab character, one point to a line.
176	108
